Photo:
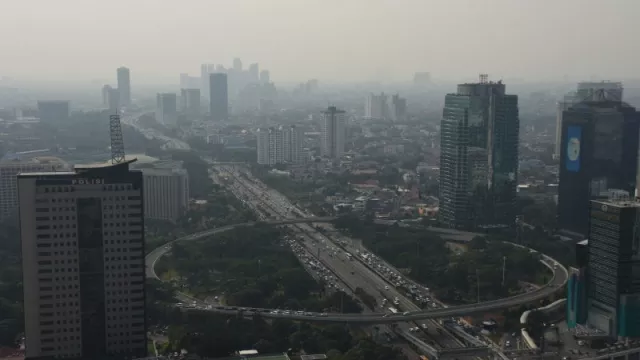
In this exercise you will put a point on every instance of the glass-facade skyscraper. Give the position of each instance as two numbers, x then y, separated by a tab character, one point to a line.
479	157
218	97
606	295
599	152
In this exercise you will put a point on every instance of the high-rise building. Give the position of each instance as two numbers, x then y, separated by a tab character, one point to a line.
205	71
398	108
254	73
237	64
281	145
293	138
190	102
124	86
83	263
166	190
265	76
218	97
613	279
599	152
105	95
479	156
9	170
376	107
333	132
167	109
586	91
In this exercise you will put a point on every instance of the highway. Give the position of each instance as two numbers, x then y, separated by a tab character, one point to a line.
357	273
170	143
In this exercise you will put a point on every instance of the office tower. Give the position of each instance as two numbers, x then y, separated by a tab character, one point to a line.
586	91
479	156
166	190
53	111
421	78
376	107
167	109
237	64
220	69
254	73
599	152
613	280
333	132
265	76
9	170
398	108
190	102
205	71
124	86
218	97
83	263
105	95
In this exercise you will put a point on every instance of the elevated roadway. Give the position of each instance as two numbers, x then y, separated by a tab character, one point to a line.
558	280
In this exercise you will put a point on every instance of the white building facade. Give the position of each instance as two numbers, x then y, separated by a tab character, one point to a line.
82	236
333	132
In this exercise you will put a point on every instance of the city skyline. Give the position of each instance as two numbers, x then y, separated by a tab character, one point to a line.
303	55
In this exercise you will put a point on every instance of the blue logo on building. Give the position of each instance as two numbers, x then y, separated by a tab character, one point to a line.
574	137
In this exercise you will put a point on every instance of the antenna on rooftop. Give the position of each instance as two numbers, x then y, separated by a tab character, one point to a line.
484	78
117	142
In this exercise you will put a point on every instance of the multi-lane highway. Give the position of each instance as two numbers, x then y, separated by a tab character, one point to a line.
356	273
132	119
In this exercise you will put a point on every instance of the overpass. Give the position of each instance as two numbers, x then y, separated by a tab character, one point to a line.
559	279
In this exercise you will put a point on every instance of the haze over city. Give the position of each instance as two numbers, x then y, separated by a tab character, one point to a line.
332	40
319	180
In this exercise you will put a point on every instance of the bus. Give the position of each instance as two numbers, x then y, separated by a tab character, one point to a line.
393	310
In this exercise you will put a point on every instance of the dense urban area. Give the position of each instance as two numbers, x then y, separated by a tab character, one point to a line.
230	215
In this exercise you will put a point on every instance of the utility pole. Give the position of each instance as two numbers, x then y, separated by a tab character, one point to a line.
478	284
504	267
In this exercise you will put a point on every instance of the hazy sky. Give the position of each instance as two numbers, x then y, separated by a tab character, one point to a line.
333	40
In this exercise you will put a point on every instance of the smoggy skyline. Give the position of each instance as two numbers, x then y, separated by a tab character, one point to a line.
332	40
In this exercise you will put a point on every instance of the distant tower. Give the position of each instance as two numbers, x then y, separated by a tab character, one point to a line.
237	64
124	86
218	97
333	132
167	109
265	76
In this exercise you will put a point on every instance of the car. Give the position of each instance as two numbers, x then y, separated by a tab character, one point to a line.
424	326
386	315
386	287
405	313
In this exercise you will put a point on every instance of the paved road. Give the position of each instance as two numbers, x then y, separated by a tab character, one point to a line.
170	143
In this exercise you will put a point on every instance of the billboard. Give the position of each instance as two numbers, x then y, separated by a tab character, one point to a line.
574	138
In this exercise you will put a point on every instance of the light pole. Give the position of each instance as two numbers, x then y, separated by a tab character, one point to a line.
504	267
478	284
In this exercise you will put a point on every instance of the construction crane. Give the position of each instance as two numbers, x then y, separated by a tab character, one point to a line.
117	142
